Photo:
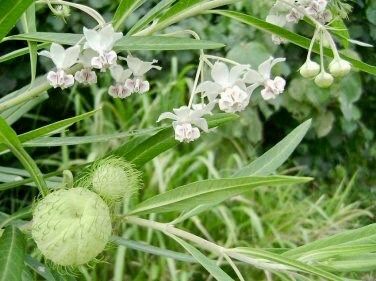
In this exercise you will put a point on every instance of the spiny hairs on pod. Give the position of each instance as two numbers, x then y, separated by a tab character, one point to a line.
71	226
113	178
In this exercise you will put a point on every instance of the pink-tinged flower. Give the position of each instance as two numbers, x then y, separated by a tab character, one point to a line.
63	59
102	42
120	75
262	77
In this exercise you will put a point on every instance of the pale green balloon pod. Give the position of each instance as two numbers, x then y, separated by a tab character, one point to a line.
71	226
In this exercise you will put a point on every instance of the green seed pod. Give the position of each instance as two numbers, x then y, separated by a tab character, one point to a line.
71	226
339	67
113	178
310	69
324	80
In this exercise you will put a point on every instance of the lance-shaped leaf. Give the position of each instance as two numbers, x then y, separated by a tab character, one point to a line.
208	191
12	254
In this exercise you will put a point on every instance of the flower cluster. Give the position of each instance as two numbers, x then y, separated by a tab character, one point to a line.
230	88
292	11
98	54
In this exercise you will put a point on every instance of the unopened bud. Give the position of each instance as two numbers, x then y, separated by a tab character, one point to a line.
324	80
339	67
310	69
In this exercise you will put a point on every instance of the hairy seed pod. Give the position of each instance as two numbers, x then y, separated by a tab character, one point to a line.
324	80
114	179
71	226
310	69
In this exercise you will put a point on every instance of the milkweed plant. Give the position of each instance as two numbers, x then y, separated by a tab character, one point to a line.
78	222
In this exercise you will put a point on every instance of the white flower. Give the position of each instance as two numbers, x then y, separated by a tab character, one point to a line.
86	76
60	79
102	42
137	85
184	118
272	88
224	78
62	59
186	133
139	67
119	91
233	100
120	75
294	16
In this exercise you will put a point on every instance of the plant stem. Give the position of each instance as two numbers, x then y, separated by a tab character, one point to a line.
198	73
168	228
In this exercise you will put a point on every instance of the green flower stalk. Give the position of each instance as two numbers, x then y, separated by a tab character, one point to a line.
71	226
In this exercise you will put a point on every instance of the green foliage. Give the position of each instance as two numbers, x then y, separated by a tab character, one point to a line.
12	254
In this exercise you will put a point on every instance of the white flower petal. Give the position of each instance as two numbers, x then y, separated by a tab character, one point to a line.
237	72
252	77
119	73
139	67
167	115
57	54
93	39
70	56
220	74
201	123
108	37
209	88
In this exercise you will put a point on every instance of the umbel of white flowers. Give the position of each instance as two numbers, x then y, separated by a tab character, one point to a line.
98	53
292	11
125	85
231	89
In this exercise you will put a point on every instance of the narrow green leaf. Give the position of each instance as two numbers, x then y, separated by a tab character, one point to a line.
10	139
147	149
20	52
12	254
28	25
292	37
277	155
208	191
41	269
364	263
61	141
134	43
20	214
338	239
256	253
206	263
13	114
150	16
125	8
51	128
146	248
184	9
10	12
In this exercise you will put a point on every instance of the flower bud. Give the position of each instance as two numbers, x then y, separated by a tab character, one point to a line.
62	11
324	80
71	226
339	67
310	69
113	178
